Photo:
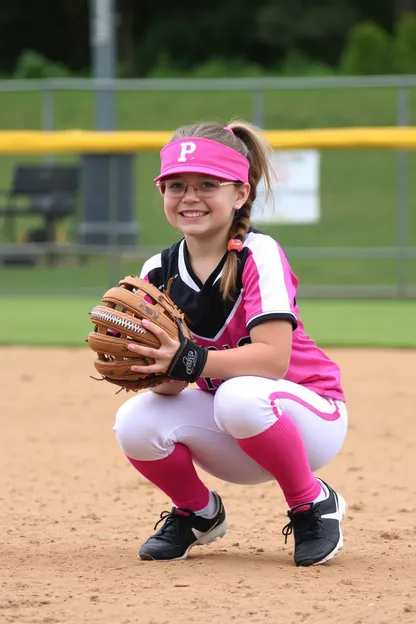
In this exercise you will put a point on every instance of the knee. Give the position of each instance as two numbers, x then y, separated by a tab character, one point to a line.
135	429
242	408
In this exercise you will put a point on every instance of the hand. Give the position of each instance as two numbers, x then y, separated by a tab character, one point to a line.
162	356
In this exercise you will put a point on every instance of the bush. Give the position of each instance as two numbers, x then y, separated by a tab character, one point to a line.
163	68
405	45
297	64
33	65
369	50
218	67
213	68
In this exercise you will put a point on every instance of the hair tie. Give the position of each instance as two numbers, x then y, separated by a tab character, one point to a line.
235	244
230	130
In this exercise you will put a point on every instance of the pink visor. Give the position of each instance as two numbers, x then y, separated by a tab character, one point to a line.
197	155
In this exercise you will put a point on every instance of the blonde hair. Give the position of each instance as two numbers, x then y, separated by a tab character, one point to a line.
246	139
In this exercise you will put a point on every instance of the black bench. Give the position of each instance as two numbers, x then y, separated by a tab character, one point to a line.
49	191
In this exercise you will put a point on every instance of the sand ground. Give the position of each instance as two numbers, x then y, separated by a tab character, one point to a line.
73	512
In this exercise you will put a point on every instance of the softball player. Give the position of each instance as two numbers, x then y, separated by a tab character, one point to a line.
269	404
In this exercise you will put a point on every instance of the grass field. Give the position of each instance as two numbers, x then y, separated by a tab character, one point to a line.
71	278
44	321
358	188
164	111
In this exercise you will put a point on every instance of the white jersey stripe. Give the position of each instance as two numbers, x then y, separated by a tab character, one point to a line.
155	262
183	271
269	277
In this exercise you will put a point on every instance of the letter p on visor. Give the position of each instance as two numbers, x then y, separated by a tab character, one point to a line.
187	148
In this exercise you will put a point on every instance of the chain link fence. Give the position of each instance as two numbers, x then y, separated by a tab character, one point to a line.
364	244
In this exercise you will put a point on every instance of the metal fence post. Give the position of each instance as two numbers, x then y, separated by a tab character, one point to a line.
403	112
48	111
48	118
113	222
258	108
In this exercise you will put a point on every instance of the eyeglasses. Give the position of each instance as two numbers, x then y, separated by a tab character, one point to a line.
203	189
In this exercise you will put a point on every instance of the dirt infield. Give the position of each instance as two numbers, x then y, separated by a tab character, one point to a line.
73	512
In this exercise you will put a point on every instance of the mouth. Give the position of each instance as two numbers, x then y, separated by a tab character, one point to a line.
192	214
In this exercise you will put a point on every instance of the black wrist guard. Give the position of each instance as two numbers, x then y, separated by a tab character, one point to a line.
189	360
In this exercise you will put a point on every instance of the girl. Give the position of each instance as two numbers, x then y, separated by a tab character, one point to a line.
269	405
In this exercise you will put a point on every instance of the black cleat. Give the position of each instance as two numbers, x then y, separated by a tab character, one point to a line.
317	529
182	530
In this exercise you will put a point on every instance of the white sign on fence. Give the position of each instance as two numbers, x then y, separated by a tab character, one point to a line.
295	190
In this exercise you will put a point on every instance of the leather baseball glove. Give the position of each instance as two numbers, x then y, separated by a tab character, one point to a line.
118	322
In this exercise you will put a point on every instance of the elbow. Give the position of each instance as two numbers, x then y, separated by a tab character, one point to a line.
273	341
280	371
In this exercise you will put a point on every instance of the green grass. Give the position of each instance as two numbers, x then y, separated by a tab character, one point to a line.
164	111
71	278
358	187
50	321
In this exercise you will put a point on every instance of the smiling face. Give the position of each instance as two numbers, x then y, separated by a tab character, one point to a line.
205	211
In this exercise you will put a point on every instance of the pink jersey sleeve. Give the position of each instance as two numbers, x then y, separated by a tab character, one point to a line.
269	286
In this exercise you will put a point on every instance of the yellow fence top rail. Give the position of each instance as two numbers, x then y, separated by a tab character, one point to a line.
34	142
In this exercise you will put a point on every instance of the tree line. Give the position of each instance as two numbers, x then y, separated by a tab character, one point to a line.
237	36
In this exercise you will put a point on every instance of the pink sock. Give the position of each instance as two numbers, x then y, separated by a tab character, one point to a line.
280	450
176	476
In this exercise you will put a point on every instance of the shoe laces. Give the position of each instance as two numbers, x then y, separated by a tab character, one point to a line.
177	517
306	524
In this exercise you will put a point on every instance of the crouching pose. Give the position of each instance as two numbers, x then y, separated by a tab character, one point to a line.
268	403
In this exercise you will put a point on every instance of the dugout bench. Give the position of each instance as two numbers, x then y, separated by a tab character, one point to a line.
46	190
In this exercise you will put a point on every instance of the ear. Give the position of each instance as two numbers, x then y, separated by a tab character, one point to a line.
243	191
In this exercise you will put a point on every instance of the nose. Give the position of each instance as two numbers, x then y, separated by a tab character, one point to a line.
190	194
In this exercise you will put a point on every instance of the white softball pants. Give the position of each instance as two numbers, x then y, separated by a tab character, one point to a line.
149	425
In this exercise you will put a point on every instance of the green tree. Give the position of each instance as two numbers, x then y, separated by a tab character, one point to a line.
317	29
405	45
189	33
369	50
